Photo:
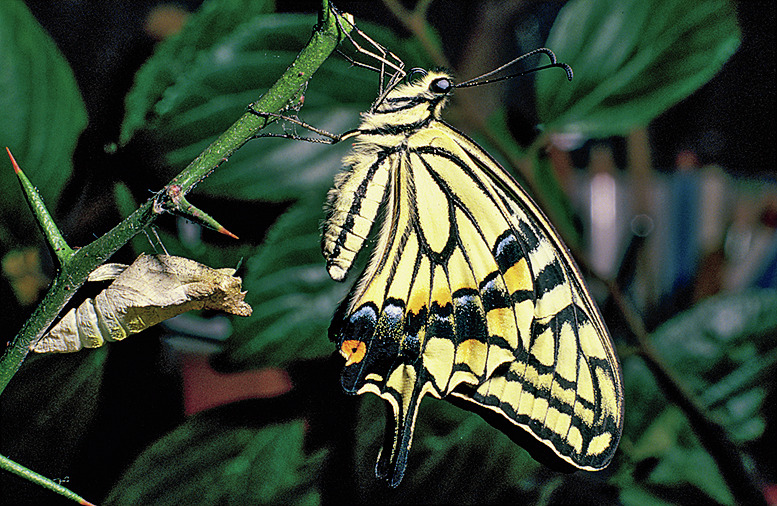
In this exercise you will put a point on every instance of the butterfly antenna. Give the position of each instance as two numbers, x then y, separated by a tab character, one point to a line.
483	79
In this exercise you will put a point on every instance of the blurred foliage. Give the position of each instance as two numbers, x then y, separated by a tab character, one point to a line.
41	118
545	189
447	442
210	461
631	59
724	349
286	274
166	71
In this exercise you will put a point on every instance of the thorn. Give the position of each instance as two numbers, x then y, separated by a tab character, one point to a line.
16	168
54	237
176	203
224	231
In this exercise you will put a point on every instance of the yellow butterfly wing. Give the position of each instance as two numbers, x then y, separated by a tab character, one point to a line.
470	295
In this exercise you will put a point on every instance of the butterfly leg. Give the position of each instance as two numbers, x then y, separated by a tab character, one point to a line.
326	137
386	58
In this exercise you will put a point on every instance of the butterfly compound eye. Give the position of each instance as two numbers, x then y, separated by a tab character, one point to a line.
441	85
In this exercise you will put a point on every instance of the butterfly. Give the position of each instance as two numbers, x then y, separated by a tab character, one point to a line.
469	295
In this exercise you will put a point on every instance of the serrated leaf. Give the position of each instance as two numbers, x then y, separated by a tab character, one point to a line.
214	20
292	295
480	464
632	60
724	349
204	461
42	114
222	76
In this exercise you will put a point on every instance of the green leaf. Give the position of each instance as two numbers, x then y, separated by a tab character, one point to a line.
663	441
207	461
686	462
724	349
42	114
270	169
197	100
71	384
551	198
480	464
227	253
638	496
214	20
555	201
47	411
278	170
632	60
291	293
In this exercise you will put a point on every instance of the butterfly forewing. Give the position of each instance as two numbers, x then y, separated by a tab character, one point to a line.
469	294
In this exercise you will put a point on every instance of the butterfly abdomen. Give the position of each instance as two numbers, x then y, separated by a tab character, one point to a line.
353	206
367	178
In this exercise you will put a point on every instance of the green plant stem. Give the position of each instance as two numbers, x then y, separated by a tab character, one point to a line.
415	22
325	38
73	273
20	470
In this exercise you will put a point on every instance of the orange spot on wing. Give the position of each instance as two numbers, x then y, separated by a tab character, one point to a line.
353	351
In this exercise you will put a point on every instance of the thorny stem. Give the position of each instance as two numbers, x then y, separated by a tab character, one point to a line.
73	273
75	266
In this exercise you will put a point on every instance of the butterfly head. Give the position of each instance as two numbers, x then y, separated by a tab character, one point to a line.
424	94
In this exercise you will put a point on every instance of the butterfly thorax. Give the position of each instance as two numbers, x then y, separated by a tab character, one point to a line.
379	143
408	107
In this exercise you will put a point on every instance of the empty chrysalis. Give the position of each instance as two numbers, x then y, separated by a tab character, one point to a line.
151	290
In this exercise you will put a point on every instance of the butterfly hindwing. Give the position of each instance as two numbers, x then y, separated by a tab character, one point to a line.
568	389
469	294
